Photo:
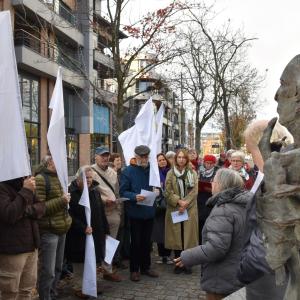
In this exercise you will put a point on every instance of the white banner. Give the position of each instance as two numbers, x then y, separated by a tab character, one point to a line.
89	280
56	133
146	131
14	158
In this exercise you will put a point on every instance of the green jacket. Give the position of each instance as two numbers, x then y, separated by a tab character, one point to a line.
56	219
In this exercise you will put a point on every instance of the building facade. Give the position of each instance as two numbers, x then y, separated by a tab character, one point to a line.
211	143
151	84
74	35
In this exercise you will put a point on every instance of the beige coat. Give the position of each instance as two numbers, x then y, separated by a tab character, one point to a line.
173	231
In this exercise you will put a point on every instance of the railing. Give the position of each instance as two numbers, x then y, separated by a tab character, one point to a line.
61	55
62	10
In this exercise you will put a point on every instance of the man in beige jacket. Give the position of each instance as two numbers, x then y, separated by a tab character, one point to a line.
109	190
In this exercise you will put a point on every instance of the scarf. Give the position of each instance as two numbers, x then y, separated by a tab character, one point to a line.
206	173
185	180
163	174
244	174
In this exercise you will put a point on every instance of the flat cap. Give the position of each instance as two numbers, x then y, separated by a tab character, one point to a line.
101	150
142	150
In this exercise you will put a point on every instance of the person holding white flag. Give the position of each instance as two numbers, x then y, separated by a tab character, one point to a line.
98	228
53	228
134	179
19	208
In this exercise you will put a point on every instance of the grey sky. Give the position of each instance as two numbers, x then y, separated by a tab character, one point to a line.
275	23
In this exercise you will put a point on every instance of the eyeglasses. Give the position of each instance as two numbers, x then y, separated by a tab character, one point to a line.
236	161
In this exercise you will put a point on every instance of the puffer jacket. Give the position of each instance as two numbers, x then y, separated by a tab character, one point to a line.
222	242
56	219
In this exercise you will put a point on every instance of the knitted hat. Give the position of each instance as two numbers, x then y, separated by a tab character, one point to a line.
210	158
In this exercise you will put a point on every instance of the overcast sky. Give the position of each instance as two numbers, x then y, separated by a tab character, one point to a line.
275	23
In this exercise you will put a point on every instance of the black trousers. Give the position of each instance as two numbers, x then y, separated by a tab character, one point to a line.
140	246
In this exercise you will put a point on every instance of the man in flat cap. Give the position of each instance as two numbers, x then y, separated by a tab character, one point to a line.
109	191
133	179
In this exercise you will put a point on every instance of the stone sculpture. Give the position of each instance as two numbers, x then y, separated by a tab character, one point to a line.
278	202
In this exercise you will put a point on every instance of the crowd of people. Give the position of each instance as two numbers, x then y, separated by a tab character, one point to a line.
43	230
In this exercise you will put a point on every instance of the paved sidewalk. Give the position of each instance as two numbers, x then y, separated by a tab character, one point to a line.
168	286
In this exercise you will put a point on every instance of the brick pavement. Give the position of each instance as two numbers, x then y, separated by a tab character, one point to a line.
168	286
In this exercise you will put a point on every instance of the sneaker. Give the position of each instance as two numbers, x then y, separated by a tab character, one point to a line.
150	273
161	261
112	277
169	261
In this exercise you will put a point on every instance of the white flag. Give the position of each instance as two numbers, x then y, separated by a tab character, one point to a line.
159	125
89	280
143	133
56	133
14	158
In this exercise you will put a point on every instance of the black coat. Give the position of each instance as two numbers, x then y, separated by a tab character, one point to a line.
75	240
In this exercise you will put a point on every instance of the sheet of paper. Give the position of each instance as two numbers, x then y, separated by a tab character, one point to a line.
111	246
123	199
179	217
149	198
259	179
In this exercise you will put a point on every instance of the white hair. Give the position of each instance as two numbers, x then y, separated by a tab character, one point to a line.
170	154
82	170
238	153
228	178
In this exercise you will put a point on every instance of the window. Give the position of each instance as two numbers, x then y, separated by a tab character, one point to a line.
98	140
72	138
29	88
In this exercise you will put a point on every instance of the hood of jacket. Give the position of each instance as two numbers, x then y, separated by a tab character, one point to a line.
232	195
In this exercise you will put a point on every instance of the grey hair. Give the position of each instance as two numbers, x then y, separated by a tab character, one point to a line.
170	154
45	160
81	170
228	178
239	154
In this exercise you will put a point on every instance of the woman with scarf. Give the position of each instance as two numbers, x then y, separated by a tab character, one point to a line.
158	233
181	196
238	164
207	172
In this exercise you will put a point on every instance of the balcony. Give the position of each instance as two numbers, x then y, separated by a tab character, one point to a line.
103	93
56	14
43	58
103	59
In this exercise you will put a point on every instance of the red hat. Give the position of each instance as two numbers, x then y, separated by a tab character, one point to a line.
210	158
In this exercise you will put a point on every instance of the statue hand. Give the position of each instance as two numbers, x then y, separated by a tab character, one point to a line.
264	143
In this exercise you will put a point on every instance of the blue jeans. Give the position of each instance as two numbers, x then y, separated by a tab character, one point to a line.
51	257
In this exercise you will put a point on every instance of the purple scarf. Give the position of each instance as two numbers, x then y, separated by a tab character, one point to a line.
163	174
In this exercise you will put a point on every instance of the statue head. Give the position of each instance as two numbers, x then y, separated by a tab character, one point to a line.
288	96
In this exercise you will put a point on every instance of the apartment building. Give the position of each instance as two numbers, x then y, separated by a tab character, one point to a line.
211	143
74	35
151	84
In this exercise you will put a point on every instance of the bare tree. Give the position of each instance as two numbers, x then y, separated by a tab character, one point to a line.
228	49
195	82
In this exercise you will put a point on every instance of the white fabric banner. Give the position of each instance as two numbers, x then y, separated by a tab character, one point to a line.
89	279
144	132
14	158
159	125
56	133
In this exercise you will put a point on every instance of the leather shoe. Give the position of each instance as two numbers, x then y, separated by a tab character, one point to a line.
135	276
150	273
112	277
